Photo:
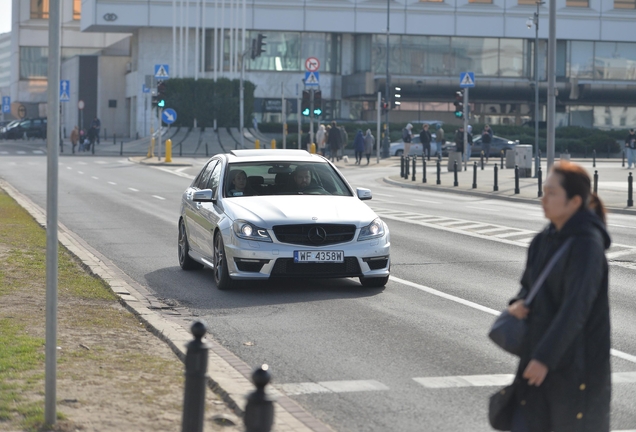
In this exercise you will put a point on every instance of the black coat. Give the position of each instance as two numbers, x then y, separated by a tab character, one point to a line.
569	330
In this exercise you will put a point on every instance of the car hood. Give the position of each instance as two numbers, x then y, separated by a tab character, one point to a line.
267	211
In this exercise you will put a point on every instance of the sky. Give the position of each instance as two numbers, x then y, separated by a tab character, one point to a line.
5	16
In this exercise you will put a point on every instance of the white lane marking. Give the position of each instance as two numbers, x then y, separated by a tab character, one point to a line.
69	168
497	380
527	240
620	226
177	173
613	255
81	163
80	172
158	197
133	189
101	162
292	389
21	152
96	178
506	235
479	208
38	152
491	230
426	201
113	183
4	152
614	352
461	222
473	226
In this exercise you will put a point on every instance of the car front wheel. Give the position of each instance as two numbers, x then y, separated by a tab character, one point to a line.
221	274
185	261
399	153
374	282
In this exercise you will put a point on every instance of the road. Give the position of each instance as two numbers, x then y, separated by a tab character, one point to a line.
358	359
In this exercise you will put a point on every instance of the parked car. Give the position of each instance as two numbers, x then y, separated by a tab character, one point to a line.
246	217
496	146
25	128
397	148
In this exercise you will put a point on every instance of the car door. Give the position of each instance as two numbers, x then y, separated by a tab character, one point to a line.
192	210
210	214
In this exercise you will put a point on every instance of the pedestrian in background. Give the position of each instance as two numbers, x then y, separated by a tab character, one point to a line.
486	140
358	146
439	140
630	148
563	382
320	139
75	136
469	144
425	139
344	139
97	125
369	142
459	141
334	140
407	135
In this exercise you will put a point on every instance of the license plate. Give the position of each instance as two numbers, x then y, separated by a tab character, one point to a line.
318	256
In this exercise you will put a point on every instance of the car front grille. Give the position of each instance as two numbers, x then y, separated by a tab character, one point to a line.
286	267
315	234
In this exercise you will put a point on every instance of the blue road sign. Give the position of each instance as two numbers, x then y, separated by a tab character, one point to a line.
169	116
145	89
162	71
65	90
466	79
6	104
312	78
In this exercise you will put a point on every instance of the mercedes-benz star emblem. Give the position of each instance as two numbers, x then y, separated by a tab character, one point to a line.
110	17
317	235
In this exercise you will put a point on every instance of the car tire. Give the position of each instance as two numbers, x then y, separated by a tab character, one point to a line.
185	261
374	282
399	153
221	274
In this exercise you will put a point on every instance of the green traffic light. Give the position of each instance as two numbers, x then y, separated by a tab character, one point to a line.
306	112
317	111
459	114
161	103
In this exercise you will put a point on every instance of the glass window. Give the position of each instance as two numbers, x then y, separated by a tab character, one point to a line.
510	57
39	9
379	53
413	56
282	52
480	1
561	59
527	2
215	177
437	54
325	47
362	59
34	62
77	9
615	60
624	4
581	59
478	55
577	3
202	179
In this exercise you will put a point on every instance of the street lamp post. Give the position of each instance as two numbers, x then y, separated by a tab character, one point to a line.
419	99
385	144
535	21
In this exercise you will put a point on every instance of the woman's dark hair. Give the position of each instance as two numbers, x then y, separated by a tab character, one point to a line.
576	181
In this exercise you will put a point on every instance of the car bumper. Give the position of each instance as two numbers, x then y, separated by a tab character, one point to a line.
249	260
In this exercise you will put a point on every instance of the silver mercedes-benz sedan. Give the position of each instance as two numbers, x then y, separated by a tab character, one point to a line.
260	214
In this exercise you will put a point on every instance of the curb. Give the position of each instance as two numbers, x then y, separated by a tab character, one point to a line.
149	162
228	376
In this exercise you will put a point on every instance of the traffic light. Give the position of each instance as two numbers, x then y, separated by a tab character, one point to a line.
258	45
304	106
396	99
159	99
459	104
385	106
317	102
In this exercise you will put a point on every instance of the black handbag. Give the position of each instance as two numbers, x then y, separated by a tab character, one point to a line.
501	408
508	331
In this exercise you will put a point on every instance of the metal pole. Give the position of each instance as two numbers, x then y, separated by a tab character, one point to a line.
181	46
414	166
456	183
423	169
466	129
551	83
517	191
196	371
311	122
537	161
174	37
197	21
216	39
53	137
242	101
474	175
595	181
387	94
284	116
540	182
495	187
160	111
379	120
203	26
439	172
299	103
630	190
222	40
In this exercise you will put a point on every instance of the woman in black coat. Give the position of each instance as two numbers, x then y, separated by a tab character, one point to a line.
563	382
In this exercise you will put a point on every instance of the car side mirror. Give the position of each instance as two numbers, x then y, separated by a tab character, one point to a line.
364	194
205	195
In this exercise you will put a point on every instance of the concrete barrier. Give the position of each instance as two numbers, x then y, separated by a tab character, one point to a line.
454	156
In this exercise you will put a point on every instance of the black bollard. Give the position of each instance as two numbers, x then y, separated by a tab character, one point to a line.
137	135
259	411
474	175
407	164
540	182
623	158
196	368
93	147
595	181
594	158
180	149
114	139
517	179
482	160
402	166
439	171
206	149
455	173
495	187
429	153
630	191
608	151
423	170
121	149
414	164
502	157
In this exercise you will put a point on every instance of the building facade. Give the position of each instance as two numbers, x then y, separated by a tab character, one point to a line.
430	43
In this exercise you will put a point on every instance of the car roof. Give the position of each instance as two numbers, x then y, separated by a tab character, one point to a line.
264	155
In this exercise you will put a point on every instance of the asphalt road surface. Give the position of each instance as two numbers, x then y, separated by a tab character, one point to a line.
413	356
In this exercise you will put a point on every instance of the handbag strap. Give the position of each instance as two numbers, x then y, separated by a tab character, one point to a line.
546	271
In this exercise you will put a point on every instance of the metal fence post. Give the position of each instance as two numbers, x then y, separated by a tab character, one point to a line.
439	171
423	170
630	191
196	367
495	187
502	158
414	164
259	411
402	166
540	182
474	175
595	181
455	173
482	160
517	179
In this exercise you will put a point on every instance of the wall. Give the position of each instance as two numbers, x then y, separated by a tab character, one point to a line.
111	73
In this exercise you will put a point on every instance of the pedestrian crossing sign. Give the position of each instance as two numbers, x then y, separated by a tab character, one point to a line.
162	71
312	78
467	79
65	90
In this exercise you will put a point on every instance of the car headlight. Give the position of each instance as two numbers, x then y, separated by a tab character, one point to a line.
374	230
249	231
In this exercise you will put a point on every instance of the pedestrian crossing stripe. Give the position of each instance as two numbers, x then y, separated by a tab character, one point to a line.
161	71
467	80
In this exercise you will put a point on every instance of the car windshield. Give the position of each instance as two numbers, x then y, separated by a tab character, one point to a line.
283	178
